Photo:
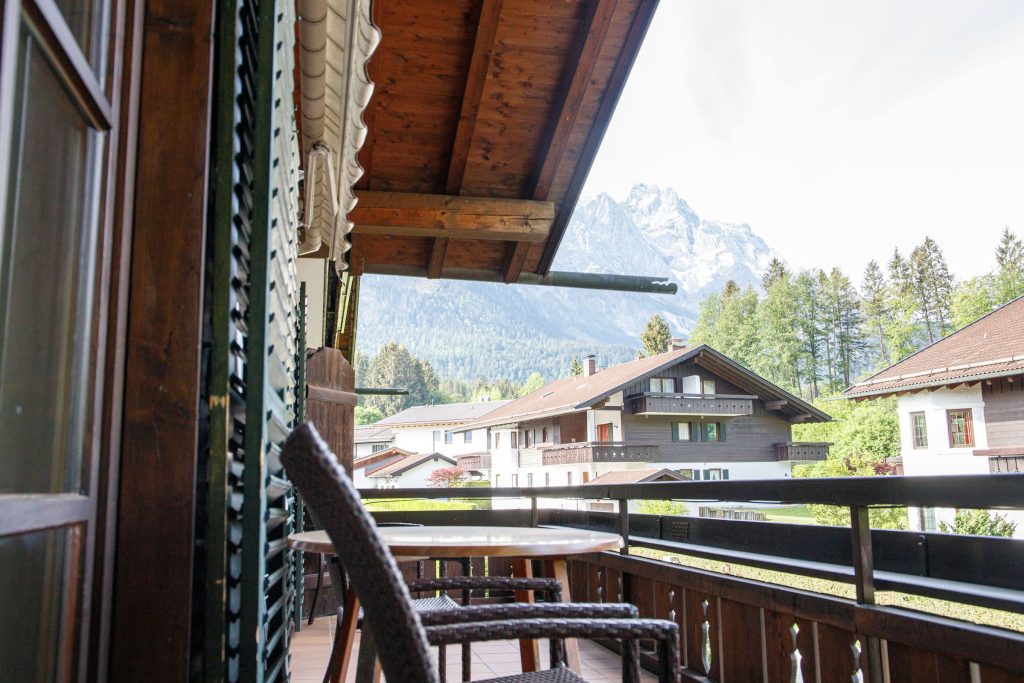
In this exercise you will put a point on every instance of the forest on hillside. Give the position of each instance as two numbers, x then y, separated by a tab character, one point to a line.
815	332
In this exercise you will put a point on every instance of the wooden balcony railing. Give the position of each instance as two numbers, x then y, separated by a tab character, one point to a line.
474	461
725	405
800	451
739	629
588	451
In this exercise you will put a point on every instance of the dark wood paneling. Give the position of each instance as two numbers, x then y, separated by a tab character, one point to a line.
572	427
327	367
156	518
748	438
1004	413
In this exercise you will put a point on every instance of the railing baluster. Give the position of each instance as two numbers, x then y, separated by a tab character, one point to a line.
624	526
864	580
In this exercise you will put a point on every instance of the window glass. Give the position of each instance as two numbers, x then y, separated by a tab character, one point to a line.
547	479
467	437
961	431
708	386
688	473
663	385
35	604
681	431
515	439
529	479
84	18
515	480
569	478
447	437
919	430
497	439
46	275
711	431
713	475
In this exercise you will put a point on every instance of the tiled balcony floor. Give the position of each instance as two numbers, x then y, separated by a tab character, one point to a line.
311	648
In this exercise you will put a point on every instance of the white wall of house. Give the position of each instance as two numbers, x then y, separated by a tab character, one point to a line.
430	439
413	478
365	449
939	457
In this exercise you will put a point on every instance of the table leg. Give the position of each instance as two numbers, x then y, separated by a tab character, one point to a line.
572	648
341	654
529	655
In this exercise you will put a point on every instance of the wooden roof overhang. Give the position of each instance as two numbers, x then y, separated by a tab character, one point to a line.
485	118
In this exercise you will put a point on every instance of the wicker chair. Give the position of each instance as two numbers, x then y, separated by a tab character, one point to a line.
391	617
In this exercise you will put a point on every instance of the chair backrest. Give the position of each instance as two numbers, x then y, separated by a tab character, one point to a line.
371	569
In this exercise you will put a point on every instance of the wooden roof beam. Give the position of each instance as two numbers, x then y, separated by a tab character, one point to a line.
590	40
435	264
515	259
479	64
427	215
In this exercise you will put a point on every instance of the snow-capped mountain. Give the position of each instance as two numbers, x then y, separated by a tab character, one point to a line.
497	331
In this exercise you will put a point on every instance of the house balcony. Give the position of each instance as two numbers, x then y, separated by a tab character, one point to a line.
474	461
724	405
965	590
587	452
801	451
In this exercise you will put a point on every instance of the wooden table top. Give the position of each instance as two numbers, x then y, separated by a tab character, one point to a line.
475	541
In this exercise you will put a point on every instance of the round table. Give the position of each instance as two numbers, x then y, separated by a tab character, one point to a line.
521	543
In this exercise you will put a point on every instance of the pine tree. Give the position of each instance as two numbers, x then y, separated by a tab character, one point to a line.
809	331
656	337
1009	267
576	369
776	271
730	290
875	306
902	334
777	328
394	367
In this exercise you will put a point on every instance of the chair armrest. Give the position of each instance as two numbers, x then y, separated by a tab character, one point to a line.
629	630
552	586
541	610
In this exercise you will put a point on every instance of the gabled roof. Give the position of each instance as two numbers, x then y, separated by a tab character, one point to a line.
379	459
373	433
990	347
637	477
571	394
407	463
441	414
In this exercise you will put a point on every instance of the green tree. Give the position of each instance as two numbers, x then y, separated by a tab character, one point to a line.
1009	267
776	271
974	298
902	333
394	367
810	332
533	383
875	305
932	287
862	435
979	523
779	360
662	507
576	369
365	416
656	337
736	333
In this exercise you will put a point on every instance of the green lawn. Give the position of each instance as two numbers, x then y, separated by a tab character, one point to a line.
790	514
417	505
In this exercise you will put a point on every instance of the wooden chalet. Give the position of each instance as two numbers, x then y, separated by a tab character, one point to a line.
164	167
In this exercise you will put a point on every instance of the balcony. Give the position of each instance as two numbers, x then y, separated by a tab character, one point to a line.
725	405
801	451
586	452
474	461
727	622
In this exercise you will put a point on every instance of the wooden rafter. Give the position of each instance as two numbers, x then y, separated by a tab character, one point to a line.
437	253
483	47
590	40
444	216
517	252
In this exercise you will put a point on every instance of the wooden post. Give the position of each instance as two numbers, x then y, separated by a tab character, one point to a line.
864	580
624	526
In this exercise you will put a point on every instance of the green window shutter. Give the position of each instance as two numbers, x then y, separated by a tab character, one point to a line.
675	431
725	474
695	431
721	431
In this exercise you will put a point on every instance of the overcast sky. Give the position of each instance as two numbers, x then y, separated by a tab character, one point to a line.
837	129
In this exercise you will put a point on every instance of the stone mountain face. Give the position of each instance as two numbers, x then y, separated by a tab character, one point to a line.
471	329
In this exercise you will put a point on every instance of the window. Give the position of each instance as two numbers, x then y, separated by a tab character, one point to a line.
515	439
681	431
515	480
527	438
437	437
378	447
529	479
919	430
713	474
685	473
497	439
663	385
547	479
568	478
708	386
544	435
586	477
447	437
467	437
961	428
497	480
711	431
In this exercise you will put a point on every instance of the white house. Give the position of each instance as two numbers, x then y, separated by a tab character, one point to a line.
373	438
693	411
961	405
431	429
408	472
